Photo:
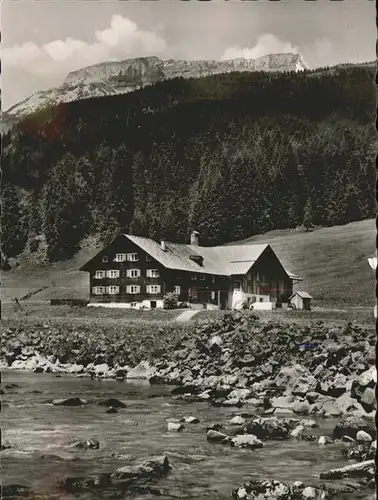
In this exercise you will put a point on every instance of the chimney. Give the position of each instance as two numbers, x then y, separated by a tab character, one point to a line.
162	245
194	238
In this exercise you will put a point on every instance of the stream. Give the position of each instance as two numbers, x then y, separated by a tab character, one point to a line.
39	433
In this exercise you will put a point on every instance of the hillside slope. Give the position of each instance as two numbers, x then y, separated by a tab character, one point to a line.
332	262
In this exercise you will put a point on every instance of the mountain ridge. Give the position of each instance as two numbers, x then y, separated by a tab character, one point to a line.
120	77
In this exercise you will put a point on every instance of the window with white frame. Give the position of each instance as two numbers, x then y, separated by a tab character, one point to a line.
100	274
133	289
113	290
202	277
152	273
212	295
194	276
177	290
120	257
112	273
98	290
132	257
105	258
152	289
133	273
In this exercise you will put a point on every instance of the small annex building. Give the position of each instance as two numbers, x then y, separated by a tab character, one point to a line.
301	300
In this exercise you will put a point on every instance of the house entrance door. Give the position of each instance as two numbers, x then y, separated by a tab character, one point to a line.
203	296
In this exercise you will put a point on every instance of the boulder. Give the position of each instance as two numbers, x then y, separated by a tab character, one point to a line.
361	452
143	371
351	425
347	404
297	431
282	402
368	378
153	467
112	402
364	469
301	407
368	398
331	410
283	411
276	490
237	420
363	437
5	445
191	420
324	440
175	427
215	342
14	491
309	423
239	394
111	410
297	379
85	444
214	427
184	389
312	397
246	441
76	401
270	428
217	437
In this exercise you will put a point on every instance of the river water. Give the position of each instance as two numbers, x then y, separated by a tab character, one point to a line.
39	433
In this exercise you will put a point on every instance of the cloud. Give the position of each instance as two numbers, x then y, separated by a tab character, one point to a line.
121	40
266	44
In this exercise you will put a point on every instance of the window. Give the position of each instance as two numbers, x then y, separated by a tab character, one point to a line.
194	276
132	257
213	279
212	295
177	290
237	286
133	304
105	258
148	258
133	273
152	273
100	274
113	290
153	289
120	257
98	290
133	289
202	277
113	273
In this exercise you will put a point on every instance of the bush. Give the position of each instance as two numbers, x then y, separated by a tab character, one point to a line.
170	301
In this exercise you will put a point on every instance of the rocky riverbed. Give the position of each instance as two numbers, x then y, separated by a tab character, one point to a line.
279	385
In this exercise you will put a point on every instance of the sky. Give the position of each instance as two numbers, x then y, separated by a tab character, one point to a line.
42	40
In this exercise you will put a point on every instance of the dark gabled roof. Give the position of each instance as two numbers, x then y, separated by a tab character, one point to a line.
220	260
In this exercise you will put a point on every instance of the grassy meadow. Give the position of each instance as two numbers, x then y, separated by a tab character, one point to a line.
34	313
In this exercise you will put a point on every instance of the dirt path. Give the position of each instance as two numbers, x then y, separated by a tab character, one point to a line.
187	315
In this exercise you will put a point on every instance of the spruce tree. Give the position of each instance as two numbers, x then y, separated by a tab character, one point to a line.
13	223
